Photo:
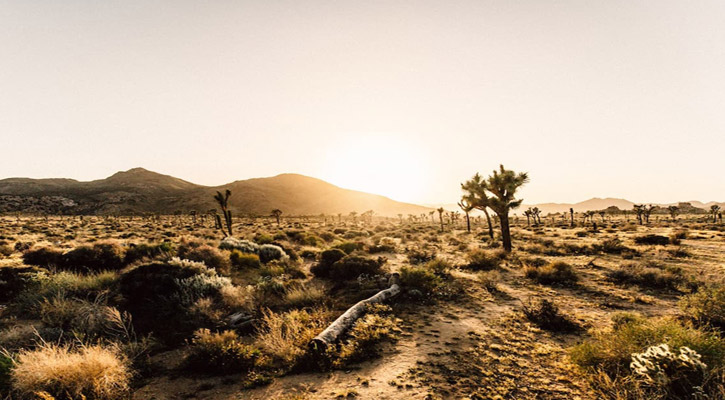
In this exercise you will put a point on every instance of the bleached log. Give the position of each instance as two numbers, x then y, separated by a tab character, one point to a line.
344	322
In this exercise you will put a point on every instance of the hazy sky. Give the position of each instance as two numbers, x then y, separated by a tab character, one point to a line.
402	98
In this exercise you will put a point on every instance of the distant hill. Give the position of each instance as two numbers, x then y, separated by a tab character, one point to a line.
139	191
593	204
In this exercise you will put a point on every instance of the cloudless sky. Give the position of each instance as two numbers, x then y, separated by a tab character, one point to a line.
401	98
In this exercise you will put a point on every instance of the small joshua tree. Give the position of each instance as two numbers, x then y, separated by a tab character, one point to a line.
714	210
571	213
467	206
673	210
440	215
639	210
223	201
277	213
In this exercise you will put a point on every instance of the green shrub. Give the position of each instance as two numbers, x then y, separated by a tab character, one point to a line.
263	238
365	336
419	278
43	257
6	366
482	260
43	287
351	267
144	251
99	257
206	254
349	247
327	258
439	266
14	280
160	296
546	315
270	252
557	273
611	351
243	261
651	276
220	353
706	306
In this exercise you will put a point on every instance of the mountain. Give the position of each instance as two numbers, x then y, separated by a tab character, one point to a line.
138	191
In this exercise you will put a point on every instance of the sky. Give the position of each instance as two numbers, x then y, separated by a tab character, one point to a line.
401	98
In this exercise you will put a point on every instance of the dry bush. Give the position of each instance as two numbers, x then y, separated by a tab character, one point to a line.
490	280
210	256
706	306
652	239
546	315
557	273
94	372
304	295
284	336
483	260
652	276
365	335
220	353
419	278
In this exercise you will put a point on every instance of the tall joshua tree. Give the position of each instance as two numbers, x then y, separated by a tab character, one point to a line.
467	206
476	192
571	213
639	210
503	185
440	215
223	201
277	213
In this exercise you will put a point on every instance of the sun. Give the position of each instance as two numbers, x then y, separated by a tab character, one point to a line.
380	164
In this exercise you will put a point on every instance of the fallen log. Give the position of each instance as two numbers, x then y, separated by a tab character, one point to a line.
344	322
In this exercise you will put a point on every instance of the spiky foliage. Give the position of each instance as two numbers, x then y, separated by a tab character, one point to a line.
466	205
440	215
277	213
476	192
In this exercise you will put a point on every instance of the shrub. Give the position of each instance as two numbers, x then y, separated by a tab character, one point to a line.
245	246
206	254
82	317
327	258
679	234
304	295
284	336
482	260
364	336
609	354
420	256
99	257
263	238
557	273
241	260
419	278
6	250
6	365
655	277
66	283
652	240
546	315
143	251
166	292
351	267
93	372
439	266
349	247
13	280
270	252
489	280
220	353
611	246
43	257
611	351
706	306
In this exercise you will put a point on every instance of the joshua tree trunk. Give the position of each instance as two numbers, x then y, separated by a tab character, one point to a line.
468	223
490	226
505	232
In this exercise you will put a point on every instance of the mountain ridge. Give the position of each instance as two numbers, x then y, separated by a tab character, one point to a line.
138	191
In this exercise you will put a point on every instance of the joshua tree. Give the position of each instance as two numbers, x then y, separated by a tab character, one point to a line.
353	215
467	206
639	210
647	211
476	193
602	214
503	184
223	201
673	210
527	214
536	213
400	216
277	213
440	215
714	210
571	213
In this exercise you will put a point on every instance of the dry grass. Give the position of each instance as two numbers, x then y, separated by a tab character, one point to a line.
284	336
96	372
